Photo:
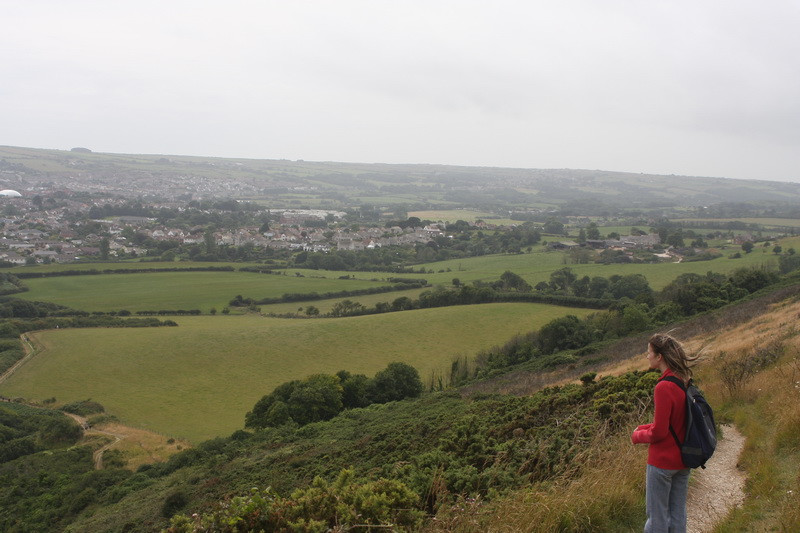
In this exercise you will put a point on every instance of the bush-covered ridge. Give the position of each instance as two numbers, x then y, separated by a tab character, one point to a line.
438	448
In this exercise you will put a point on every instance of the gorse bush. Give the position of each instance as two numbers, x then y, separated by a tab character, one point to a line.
341	505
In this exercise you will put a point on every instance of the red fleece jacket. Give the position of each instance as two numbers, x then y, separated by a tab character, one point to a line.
670	408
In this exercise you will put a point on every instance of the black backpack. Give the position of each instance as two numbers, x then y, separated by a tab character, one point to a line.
701	433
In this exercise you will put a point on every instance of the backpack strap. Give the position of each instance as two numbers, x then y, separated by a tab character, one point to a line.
679	382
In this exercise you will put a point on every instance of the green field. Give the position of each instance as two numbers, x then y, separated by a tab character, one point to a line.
536	267
324	306
467	215
204	290
198	380
766	222
178	290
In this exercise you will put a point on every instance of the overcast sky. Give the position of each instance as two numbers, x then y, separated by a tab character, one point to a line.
706	88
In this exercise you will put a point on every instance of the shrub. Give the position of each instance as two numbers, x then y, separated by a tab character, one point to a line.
83	408
174	503
735	370
395	382
321	507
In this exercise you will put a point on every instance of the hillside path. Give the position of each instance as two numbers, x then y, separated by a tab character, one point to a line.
715	491
30	351
98	454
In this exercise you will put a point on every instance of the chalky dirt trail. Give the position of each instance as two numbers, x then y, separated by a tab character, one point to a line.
718	488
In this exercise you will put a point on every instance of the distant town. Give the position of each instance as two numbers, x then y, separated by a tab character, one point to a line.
58	228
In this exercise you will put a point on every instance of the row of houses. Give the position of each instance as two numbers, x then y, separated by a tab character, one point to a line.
21	244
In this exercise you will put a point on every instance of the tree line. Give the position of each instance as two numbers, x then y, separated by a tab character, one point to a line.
689	294
95	271
400	285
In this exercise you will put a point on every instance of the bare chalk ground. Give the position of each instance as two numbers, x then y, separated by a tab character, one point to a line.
713	492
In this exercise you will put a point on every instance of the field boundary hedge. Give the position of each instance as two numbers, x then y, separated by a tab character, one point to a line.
96	272
239	301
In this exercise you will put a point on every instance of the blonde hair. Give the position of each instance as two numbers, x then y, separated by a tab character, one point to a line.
673	353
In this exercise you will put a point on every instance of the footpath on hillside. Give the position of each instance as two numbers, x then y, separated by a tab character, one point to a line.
717	489
98	454
29	349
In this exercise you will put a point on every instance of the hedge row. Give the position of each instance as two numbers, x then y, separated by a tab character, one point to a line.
95	272
239	301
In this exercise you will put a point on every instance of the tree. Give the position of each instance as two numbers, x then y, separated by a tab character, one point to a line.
747	247
403	303
316	398
581	287
513	282
347	308
210	242
562	279
259	416
694	293
629	286
634	318
777	249
354	389
554	226
752	279
599	287
395	382
592	232
104	249
788	263
675	239
563	333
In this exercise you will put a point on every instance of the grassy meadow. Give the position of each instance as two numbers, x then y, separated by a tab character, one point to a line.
766	222
198	380
178	290
537	266
204	290
468	215
324	306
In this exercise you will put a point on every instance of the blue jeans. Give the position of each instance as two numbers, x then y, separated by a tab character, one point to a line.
666	500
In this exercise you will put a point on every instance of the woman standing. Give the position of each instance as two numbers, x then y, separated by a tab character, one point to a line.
667	476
